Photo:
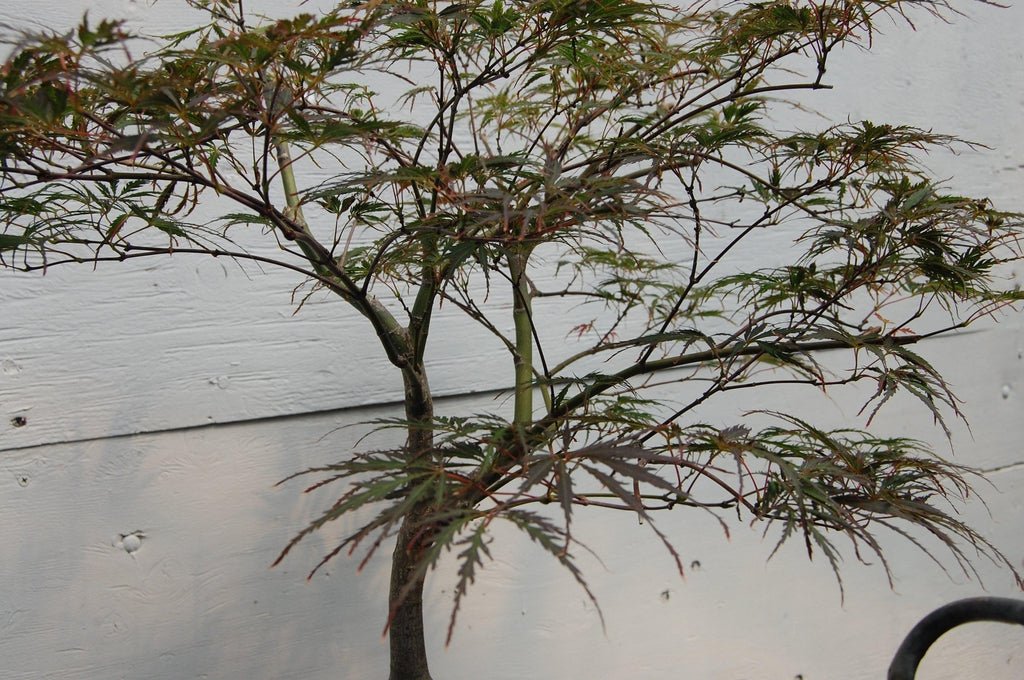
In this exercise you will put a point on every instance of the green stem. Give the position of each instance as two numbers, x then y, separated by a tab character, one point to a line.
293	204
394	337
419	316
522	316
288	183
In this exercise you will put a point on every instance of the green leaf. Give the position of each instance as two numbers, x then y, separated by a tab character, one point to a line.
13	241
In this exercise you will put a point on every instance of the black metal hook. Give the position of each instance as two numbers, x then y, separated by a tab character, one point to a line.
931	627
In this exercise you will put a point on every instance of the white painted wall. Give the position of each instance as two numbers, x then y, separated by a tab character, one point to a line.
90	357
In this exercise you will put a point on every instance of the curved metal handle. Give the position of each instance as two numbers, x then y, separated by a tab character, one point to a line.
931	627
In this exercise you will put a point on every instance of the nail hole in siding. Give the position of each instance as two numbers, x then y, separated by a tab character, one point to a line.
19	421
221	382
132	542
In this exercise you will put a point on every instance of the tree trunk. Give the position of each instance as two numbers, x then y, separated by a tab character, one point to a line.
408	647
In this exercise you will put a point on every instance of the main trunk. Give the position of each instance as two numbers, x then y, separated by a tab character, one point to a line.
408	647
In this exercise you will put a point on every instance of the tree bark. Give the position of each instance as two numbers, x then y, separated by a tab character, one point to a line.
408	647
406	638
